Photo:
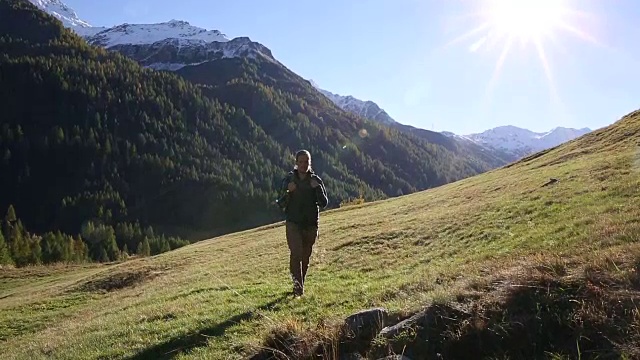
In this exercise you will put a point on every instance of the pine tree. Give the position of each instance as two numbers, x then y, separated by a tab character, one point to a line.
8	222
34	254
80	251
11	214
102	256
5	257
144	249
18	246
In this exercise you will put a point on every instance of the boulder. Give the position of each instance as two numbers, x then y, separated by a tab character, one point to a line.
360	328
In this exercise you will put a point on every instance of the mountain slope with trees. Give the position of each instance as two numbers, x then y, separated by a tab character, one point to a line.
494	266
92	141
260	86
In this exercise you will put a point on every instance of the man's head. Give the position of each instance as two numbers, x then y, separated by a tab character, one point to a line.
303	161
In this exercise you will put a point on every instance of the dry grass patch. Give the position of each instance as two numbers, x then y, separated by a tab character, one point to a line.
116	281
542	306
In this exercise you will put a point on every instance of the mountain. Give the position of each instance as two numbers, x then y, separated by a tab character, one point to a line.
499	145
367	109
251	84
497	266
460	144
507	264
136	34
522	142
168	45
502	144
113	146
68	16
175	44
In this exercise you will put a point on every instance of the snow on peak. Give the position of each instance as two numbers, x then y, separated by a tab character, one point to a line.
61	11
367	109
134	34
67	16
522	141
137	34
314	84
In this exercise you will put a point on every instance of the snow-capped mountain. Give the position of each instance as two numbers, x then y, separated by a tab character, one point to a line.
521	142
138	34
175	44
169	45
367	109
174	53
68	17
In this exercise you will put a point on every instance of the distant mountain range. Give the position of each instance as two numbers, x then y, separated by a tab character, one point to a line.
510	140
174	44
520	142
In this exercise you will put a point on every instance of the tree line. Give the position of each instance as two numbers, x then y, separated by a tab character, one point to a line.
94	145
95	243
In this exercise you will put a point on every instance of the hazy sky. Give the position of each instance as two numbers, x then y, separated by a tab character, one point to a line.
399	54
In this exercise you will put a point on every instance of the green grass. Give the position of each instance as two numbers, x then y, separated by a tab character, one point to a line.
221	298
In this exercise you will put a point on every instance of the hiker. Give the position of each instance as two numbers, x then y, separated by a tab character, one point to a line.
305	195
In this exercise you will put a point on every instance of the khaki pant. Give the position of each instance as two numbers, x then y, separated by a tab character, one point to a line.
300	241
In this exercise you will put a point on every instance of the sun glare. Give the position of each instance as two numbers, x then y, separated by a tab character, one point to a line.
528	20
535	24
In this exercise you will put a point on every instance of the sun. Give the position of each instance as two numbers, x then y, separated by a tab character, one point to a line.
495	26
526	20
531	22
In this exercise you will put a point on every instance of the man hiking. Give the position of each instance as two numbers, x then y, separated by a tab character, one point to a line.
305	196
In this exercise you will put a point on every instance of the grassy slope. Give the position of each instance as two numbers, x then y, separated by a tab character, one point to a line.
220	297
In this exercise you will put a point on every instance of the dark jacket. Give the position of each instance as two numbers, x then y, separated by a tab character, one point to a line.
303	205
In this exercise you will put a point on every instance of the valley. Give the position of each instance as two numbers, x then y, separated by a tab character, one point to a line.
140	167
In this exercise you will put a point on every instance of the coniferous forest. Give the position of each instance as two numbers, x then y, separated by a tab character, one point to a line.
102	158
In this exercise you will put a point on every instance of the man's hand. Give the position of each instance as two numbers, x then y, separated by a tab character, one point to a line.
291	187
314	183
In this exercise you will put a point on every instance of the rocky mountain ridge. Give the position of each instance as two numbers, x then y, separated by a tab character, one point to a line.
175	44
522	142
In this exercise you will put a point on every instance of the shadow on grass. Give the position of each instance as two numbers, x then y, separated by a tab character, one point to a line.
187	342
539	317
533	321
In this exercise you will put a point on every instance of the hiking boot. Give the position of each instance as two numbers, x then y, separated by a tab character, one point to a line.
298	290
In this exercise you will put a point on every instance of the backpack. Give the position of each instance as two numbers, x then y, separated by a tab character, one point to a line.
283	199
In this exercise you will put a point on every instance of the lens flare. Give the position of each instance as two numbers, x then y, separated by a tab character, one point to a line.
499	25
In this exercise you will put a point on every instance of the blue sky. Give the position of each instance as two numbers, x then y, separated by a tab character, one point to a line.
395	53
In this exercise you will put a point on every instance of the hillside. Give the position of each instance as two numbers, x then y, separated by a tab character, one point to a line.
419	160
175	44
506	264
179	46
111	142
